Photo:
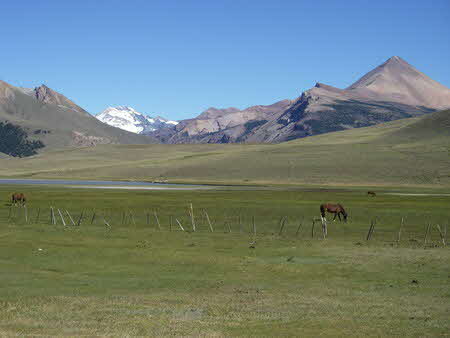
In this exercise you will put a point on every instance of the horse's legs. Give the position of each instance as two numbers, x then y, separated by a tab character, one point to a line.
339	215
334	218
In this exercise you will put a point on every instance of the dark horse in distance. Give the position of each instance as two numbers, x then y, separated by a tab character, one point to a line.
336	209
371	193
18	198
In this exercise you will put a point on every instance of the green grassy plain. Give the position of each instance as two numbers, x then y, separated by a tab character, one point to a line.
133	279
410	152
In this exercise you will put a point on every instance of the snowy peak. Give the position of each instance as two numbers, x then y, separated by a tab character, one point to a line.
121	110
129	119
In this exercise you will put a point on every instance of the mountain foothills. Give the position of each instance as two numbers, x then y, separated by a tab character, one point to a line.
406	152
392	91
49	117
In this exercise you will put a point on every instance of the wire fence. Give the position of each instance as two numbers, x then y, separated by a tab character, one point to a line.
419	228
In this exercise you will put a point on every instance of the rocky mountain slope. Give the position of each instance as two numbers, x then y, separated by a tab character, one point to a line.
127	118
50	117
393	90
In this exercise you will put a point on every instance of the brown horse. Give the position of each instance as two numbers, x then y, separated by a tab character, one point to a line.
371	193
18	198
336	209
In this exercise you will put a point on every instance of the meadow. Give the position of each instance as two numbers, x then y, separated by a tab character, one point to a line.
121	274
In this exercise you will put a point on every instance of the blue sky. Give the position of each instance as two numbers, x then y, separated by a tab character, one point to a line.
177	58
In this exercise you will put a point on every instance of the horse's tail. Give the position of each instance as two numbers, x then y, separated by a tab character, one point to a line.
322	210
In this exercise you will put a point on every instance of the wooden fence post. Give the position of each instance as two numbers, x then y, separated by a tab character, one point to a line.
282	222
37	216
441	234
371	228
299	226
26	213
229	226
209	221
312	227
254	225
81	217
426	233
400	230
62	218
324	227
93	217
192	217
52	216
176	219
445	231
157	220
70	217
132	217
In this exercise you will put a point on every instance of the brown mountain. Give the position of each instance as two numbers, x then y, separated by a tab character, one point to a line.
57	121
398	81
391	91
225	125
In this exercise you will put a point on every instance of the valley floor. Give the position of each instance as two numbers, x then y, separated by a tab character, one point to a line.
130	270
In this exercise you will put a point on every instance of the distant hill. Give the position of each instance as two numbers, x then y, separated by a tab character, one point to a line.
55	120
412	151
391	91
432	126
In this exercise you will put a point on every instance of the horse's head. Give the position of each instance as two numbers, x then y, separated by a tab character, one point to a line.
344	213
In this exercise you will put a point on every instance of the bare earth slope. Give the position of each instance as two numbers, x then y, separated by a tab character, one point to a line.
56	120
393	90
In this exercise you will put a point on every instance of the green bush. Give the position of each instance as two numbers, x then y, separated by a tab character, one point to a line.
14	141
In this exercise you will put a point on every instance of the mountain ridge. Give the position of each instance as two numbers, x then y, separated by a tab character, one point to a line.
52	118
391	91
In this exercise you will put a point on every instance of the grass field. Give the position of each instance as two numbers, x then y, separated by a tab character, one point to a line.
132	278
410	152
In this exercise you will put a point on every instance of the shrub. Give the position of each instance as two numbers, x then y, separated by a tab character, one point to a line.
14	141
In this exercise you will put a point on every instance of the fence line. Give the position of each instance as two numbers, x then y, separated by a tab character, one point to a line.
433	232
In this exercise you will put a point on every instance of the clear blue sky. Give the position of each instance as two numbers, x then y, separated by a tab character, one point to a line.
178	58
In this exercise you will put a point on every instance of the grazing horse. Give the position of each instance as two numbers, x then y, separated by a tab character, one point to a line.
336	209
18	198
371	193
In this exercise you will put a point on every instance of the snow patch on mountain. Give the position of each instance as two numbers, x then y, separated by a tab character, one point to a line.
127	118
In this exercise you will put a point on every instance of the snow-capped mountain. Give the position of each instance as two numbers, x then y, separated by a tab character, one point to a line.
127	118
